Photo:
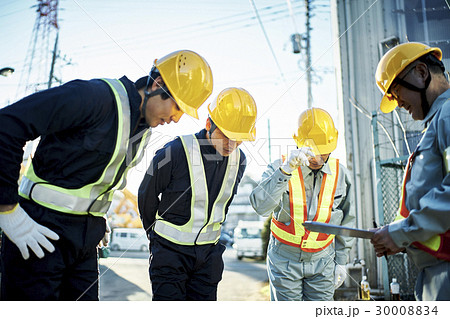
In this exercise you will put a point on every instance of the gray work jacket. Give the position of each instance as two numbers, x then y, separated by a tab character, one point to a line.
428	190
272	195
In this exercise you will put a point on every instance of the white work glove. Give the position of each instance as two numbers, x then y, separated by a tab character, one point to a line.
339	275
106	238
23	231
296	158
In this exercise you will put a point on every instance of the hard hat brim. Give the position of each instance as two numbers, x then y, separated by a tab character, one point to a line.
387	105
239	136
316	149
187	109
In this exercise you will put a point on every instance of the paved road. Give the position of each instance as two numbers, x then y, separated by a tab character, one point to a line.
124	276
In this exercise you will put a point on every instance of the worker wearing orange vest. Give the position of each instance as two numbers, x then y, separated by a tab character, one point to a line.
305	265
411	75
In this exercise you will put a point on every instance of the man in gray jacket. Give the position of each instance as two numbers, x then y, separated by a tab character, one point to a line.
305	265
411	75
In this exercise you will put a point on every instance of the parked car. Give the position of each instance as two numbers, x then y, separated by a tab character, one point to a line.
247	239
129	239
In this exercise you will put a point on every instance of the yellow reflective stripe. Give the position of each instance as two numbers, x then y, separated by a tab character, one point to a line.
200	198
292	238
58	197
199	230
324	206
186	234
447	159
292	233
120	146
137	158
226	191
433	243
299	202
298	207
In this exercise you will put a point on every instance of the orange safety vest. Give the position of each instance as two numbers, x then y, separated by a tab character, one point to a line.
438	245
293	234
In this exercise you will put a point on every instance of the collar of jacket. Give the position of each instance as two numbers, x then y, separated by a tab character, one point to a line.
325	169
436	106
135	102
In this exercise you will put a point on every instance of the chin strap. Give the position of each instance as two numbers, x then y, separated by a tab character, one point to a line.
149	95
422	91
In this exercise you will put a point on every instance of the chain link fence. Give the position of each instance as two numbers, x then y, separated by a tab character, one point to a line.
399	265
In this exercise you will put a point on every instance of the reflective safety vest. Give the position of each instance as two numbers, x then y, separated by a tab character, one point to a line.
201	228
438	245
294	234
94	198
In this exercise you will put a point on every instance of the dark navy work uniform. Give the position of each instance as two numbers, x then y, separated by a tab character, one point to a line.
182	272
77	123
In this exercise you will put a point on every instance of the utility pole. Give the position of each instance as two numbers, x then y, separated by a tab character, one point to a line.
308	52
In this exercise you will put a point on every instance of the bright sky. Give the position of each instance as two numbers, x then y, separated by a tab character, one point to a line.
115	38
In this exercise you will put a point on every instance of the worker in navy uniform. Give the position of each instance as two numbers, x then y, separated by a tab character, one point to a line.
90	133
185	195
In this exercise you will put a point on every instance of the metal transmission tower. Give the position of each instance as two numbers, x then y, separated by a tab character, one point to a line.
42	50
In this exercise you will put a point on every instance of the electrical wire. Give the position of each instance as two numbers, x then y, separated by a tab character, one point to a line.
214	26
332	44
448	4
252	2
403	130
363	111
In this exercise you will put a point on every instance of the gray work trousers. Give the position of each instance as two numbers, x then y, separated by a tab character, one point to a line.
433	283
293	279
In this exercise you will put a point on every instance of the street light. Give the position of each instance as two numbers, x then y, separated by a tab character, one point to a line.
6	71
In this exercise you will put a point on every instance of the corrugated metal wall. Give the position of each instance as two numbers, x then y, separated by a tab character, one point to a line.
366	29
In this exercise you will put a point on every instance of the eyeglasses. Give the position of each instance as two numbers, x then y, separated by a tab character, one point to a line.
394	89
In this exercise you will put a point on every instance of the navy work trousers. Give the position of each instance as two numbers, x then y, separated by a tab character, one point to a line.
180	272
69	273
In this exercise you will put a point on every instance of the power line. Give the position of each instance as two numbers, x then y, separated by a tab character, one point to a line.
211	26
267	39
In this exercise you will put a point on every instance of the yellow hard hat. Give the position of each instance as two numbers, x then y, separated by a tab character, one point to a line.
393	63
316	130
234	113
188	77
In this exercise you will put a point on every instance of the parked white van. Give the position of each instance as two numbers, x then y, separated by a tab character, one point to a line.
129	239
247	239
